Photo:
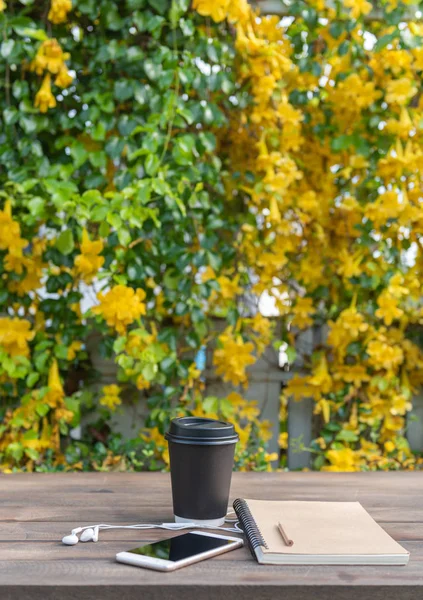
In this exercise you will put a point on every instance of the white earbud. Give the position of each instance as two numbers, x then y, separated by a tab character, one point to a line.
89	535
70	540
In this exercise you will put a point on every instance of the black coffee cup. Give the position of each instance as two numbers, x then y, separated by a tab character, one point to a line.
201	461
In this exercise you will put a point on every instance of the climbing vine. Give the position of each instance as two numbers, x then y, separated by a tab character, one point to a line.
327	163
166	165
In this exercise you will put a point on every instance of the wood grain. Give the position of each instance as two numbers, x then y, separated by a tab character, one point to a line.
36	510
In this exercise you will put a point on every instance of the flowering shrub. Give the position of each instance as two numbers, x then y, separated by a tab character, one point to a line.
328	153
160	161
114	223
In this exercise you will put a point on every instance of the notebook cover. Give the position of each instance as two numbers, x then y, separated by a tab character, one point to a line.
317	528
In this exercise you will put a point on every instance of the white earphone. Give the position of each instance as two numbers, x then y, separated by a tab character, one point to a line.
89	533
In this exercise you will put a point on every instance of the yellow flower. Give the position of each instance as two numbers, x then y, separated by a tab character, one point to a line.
265	430
396	287
208	274
59	11
73	349
302	310
399	91
320	376
244	434
14	336
358	7
142	383
344	459
386	206
300	387
192	377
229	288
356	88
384	356
110	397
323	408
161	448
3	5
50	57
232	359
216	9
250	410
239	11
15	260
274	212
88	262
120	307
32	279
388	309
271	457
389	446
10	230
263	328
349	263
355	374
348	327
283	440
55	394
44	99
321	443
63	79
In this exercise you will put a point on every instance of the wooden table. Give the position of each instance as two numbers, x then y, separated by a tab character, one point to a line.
36	510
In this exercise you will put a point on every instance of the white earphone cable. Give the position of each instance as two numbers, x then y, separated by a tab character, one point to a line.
90	532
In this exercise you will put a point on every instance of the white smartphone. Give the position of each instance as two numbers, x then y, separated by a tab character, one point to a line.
179	551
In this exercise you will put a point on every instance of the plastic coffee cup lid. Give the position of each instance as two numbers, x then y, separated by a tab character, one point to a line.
201	431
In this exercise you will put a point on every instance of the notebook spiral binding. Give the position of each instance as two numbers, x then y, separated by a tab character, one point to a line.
251	530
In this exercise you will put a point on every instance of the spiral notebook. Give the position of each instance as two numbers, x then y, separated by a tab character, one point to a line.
316	533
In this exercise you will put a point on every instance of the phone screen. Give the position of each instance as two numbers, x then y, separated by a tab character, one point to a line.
181	546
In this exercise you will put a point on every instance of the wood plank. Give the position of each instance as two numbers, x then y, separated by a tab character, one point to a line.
40	531
172	591
49	550
213	572
381	495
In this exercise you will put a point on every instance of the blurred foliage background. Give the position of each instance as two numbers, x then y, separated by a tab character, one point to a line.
165	165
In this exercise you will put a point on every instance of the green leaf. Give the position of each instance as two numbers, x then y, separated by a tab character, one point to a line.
65	242
32	453
177	9
42	409
385	40
336	29
15	449
104	229
61	351
291	354
149	371
341	142
119	344
36	206
124	237
123	90
151	164
347	436
32	379
6	48
160	5
99	213
211	404
35	34
10	115
152	70
99	132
